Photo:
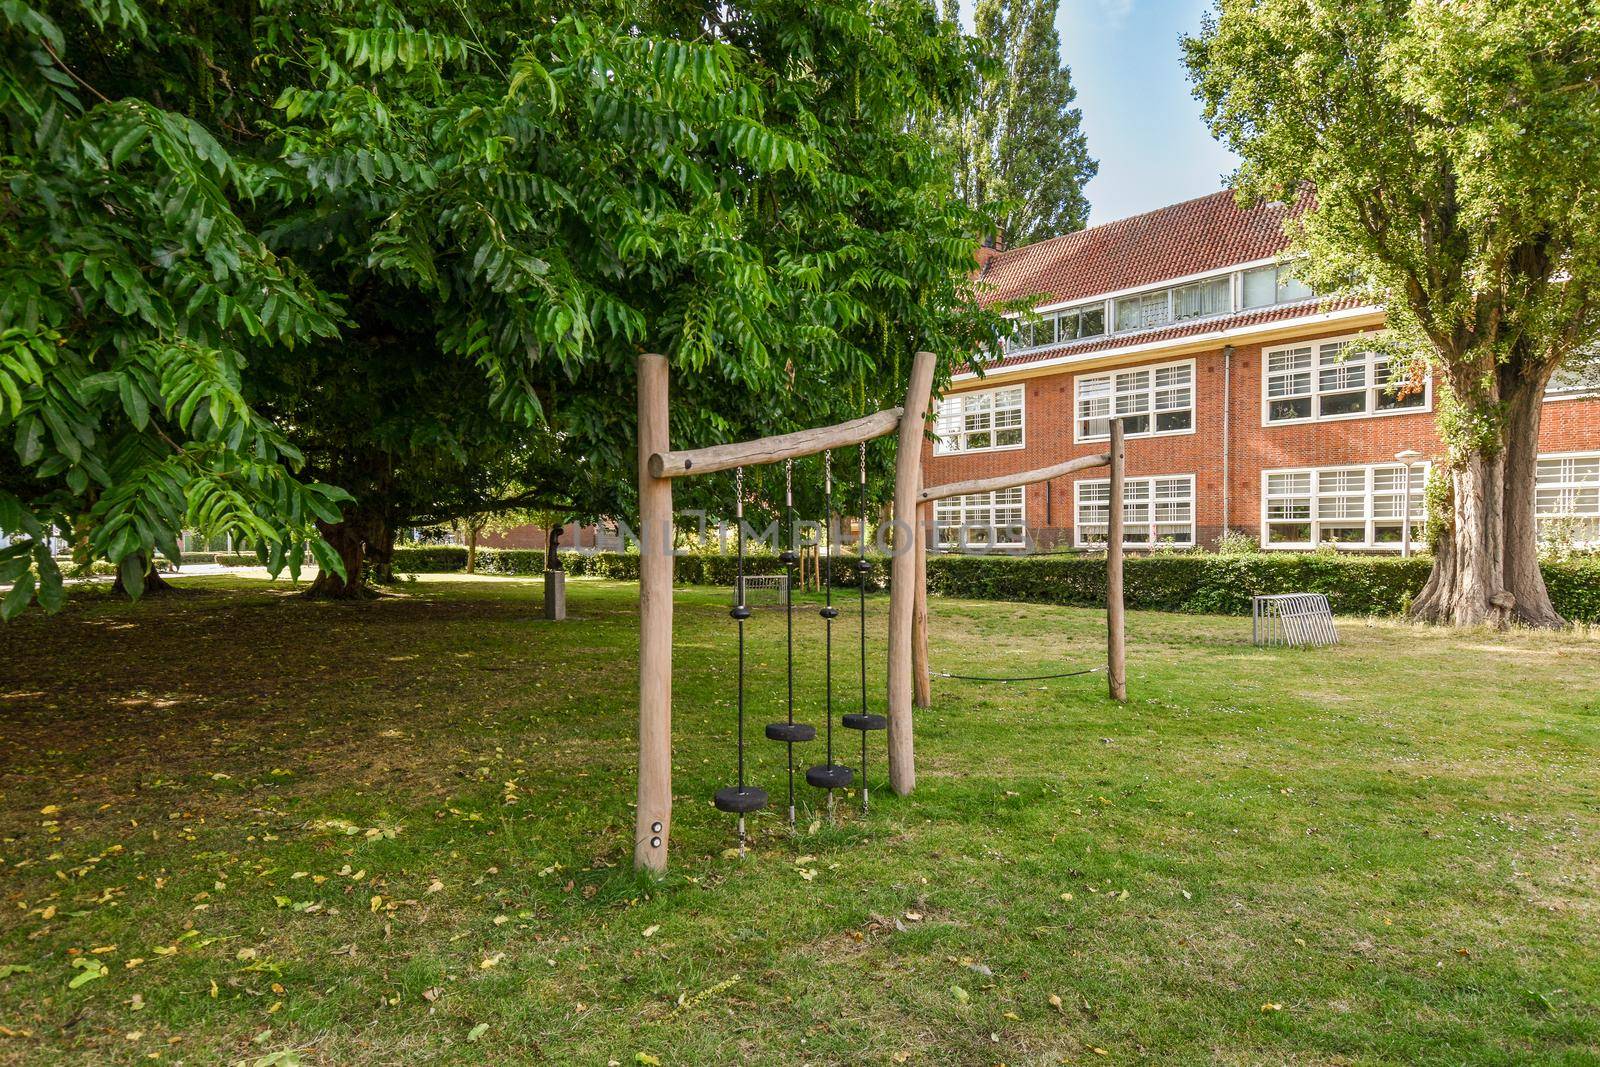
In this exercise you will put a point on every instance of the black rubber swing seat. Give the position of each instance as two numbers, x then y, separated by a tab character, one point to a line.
791	733
740	800
828	776
857	721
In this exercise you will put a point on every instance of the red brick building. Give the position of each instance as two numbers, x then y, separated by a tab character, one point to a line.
1251	404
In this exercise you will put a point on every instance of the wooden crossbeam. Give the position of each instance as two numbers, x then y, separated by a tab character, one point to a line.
775	449
1011	481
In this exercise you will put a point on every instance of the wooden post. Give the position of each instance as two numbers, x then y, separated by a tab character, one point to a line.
1116	652
923	687
653	820
902	574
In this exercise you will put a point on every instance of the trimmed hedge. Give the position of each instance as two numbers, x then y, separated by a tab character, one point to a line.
1197	583
1223	585
620	566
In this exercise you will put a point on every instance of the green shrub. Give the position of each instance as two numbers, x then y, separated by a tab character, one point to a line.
1198	583
431	559
1223	585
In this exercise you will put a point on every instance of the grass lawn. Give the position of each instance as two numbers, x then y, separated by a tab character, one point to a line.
237	826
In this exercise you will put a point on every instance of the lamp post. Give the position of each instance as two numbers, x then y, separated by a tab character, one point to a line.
1409	457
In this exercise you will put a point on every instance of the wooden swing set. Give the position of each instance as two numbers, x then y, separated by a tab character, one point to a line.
908	677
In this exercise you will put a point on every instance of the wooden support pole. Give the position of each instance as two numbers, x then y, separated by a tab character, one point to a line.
923	686
1011	481
902	574
653	820
1116	650
665	464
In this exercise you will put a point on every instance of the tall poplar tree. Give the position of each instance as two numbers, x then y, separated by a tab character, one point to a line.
1019	143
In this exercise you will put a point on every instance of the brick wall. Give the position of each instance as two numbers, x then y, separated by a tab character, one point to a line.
1568	425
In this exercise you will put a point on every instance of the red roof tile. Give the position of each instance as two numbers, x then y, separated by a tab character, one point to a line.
1198	235
1191	328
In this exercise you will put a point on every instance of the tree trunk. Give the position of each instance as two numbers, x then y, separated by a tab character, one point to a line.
346	539
379	536
154	583
472	549
1486	565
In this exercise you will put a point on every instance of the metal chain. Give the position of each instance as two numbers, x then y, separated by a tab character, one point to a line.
738	492
788	483
863	463
827	470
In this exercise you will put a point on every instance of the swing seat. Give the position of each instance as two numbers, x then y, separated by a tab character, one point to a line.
830	776
859	721
740	800
791	733
829	613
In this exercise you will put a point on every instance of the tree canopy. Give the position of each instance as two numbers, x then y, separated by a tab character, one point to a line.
242	235
1018	142
1454	150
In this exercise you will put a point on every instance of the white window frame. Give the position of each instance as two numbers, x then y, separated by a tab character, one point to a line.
1150	390
1568	487
1054	317
1147	485
1574	385
943	445
1366	497
1314	375
978	512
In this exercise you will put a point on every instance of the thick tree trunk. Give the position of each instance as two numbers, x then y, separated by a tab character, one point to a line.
472	549
380	550
154	583
1486	566
347	540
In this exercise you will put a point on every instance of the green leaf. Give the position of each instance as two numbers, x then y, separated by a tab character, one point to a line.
20	596
131	570
51	592
30	440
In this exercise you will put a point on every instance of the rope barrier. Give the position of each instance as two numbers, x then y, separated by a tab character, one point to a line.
1022	678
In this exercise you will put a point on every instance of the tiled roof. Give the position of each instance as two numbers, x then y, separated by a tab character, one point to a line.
1188	238
1160	334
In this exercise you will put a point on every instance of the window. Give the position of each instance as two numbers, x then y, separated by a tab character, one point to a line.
983	520
1569	382
1058	326
1164	394
1144	311
1265	286
1334	379
1211	297
1352	507
1155	511
1566	497
1082	322
972	422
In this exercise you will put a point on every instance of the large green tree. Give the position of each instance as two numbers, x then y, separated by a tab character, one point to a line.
1454	149
1018	143
130	289
421	218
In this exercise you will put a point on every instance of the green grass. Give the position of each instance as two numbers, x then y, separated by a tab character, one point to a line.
1384	852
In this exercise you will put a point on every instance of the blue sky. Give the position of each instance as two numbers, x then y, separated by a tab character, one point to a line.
1142	124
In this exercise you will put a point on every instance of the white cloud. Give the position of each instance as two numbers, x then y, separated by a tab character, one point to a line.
1115	12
